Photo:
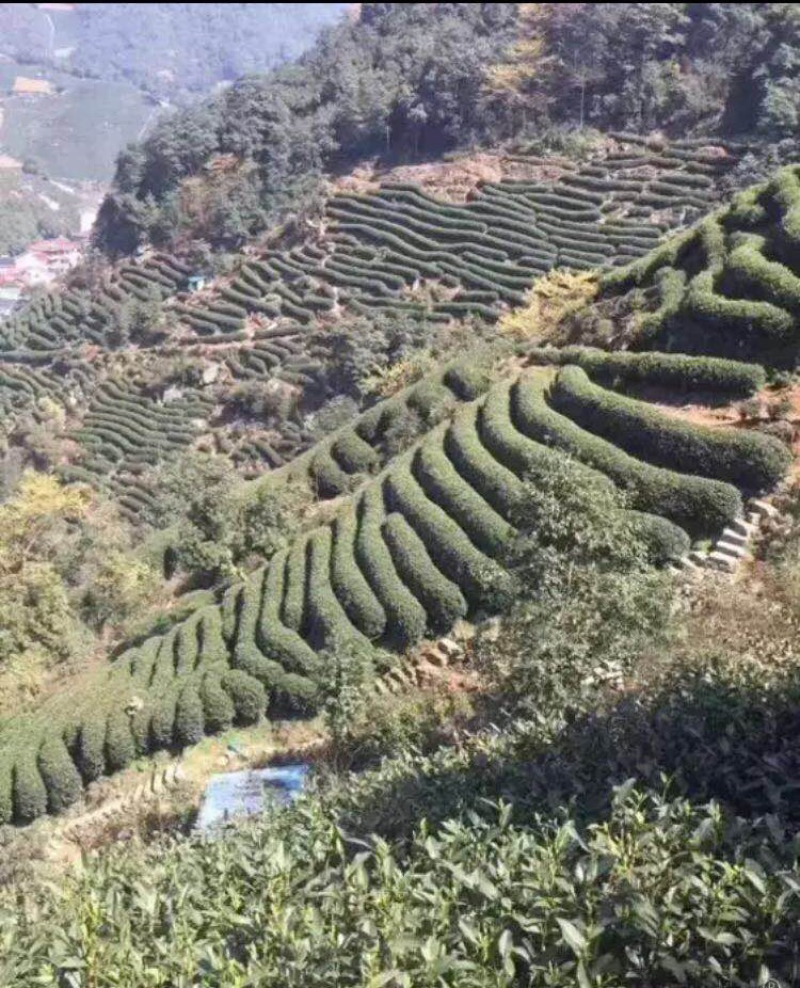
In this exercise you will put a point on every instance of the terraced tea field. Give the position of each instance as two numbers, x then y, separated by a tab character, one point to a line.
379	249
396	251
125	432
413	548
728	286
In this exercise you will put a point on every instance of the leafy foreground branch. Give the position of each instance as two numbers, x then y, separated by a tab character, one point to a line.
657	892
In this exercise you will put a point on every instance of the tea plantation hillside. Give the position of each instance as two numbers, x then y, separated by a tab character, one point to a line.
416	547
115	356
729	286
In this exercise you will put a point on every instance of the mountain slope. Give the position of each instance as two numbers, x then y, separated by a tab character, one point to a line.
393	252
416	548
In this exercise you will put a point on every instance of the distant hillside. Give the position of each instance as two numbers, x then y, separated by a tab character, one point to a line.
258	353
108	69
168	50
31	208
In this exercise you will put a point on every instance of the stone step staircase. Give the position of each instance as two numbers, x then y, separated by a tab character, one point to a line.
734	544
423	667
158	782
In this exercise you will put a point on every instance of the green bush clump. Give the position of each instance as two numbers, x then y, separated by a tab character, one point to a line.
467	380
676	371
702	507
665	541
162	720
748	272
120	747
406	619
327	620
442	483
90	747
750	460
218	709
327	476
432	400
187	646
442	599
189	716
29	792
490	478
353	454
59	775
741	319
278	645
514	450
481	581
348	581
247	694
294	587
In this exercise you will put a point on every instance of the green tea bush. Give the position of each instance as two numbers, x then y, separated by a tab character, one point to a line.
480	580
442	483
498	485
247	694
467	380
348	581
664	540
702	507
327	620
120	747
59	775
278	644
353	454
406	619
189	716
442	599
218	708
748	272
750	460
90	746
29	792
675	371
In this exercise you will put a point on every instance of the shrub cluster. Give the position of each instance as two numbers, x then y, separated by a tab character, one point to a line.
752	461
677	372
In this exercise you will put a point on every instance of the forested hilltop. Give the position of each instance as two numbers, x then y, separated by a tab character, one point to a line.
419	79
429	415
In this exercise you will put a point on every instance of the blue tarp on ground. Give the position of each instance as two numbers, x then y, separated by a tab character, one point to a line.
238	794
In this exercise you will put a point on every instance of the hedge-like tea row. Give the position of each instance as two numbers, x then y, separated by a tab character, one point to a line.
700	506
508	232
70	317
730	286
751	461
677	372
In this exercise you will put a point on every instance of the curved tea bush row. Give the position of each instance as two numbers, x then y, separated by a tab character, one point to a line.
731	285
73	316
338	463
751	461
675	371
700	506
341	583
